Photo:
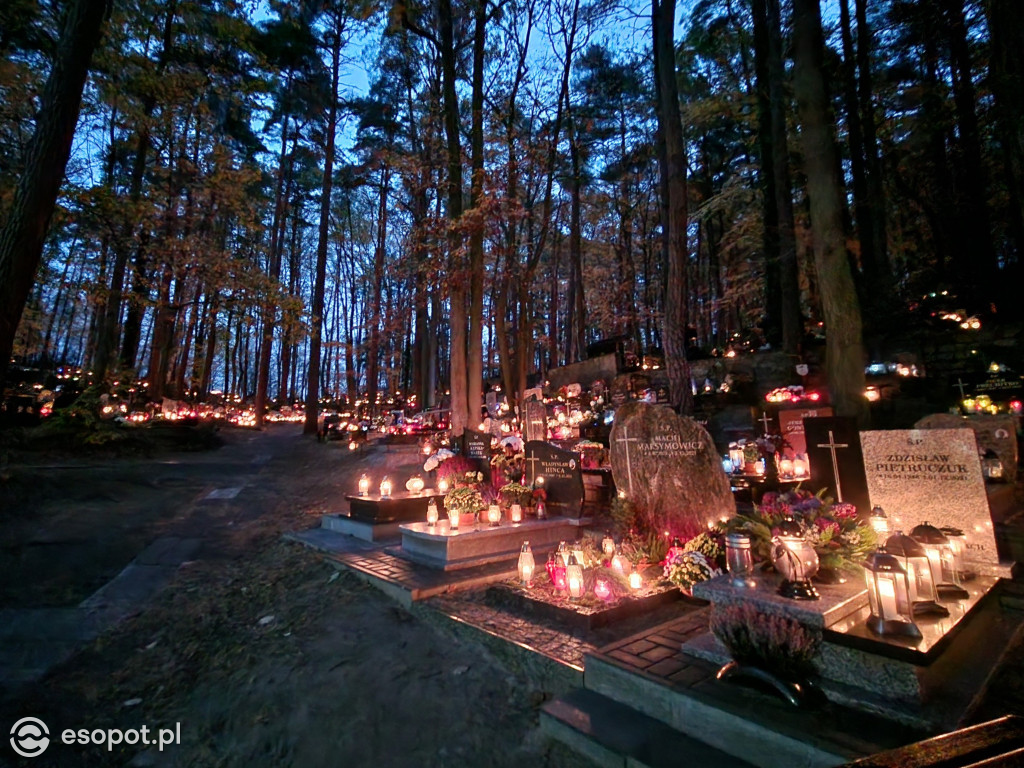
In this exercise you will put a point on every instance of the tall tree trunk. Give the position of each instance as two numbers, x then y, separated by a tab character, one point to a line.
474	351
320	278
844	345
673	174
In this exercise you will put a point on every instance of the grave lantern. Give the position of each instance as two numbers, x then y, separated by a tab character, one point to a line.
577	549
442	485
563	552
620	564
385	488
558	574
414	484
889	596
431	512
914	559
940	560
636	581
736	457
602	589
801	468
542	511
352	445
727	465
795	559
526	564
608	545
992	466
364	485
786	468
574	577
958	546
879	522
760	467
453	518
515	513
739	560
493	514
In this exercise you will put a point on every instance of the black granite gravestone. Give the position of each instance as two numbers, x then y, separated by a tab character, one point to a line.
476	446
834	453
562	477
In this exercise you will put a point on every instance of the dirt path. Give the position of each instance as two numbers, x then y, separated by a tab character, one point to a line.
264	654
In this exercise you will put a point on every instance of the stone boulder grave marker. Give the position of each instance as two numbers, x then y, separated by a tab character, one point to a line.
563	480
669	467
934	476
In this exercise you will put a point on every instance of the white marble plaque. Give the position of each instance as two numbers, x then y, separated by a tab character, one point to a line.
934	476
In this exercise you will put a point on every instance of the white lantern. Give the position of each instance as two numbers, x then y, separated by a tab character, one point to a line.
574	577
801	468
636	581
364	485
736	457
889	596
494	514
414	484
526	564
795	559
958	546
442	485
385	488
431	512
941	560
620	564
515	513
913	558
352	445
608	545
786	468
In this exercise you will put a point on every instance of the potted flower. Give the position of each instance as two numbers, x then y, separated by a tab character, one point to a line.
464	501
514	493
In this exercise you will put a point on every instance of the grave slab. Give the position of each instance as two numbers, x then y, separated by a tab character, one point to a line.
361	529
438	546
400	508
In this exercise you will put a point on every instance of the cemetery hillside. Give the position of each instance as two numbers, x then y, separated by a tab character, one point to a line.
465	383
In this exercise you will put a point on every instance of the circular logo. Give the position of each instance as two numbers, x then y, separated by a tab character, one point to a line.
30	737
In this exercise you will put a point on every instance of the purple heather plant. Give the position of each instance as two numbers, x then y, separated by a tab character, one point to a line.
774	643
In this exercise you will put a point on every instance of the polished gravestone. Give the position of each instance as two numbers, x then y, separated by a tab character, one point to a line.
558	472
402	507
834	453
438	546
934	476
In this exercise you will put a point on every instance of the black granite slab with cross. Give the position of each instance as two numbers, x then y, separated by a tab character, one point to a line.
563	479
834	453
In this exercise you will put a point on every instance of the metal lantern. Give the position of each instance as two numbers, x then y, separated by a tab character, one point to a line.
889	596
526	564
515	513
992	467
795	559
608	545
431	512
914	559
364	485
385	488
879	522
941	560
739	560
414	484
493	514
574	577
958	546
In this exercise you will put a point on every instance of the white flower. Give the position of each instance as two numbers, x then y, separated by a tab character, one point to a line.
431	463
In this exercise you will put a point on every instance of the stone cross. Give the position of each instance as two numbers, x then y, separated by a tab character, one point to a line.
765	420
629	467
532	461
832	445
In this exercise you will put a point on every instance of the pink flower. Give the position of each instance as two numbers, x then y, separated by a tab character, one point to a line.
844	511
827	525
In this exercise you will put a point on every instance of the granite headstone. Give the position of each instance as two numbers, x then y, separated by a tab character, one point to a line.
791	427
833	451
994	433
476	446
669	467
561	475
934	476
535	421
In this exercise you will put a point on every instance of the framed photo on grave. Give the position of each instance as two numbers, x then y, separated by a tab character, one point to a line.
834	453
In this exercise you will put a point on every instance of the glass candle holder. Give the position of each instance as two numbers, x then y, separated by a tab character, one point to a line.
515	513
739	560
